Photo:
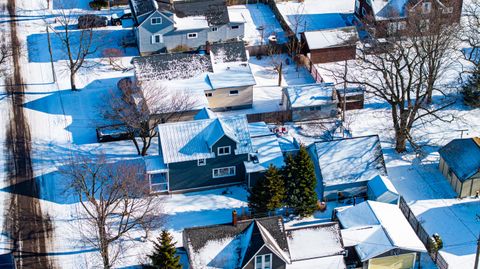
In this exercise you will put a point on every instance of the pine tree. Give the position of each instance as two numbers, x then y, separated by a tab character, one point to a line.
163	256
301	183
471	89
268	193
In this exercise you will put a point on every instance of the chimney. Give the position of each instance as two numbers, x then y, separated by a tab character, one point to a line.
234	217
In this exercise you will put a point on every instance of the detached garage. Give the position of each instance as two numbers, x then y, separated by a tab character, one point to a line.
460	164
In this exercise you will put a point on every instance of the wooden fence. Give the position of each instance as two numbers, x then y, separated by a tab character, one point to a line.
271	117
422	234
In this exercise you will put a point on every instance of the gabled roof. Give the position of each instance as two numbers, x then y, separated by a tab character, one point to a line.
462	156
205	113
349	160
192	140
231	246
378	222
142	7
215	11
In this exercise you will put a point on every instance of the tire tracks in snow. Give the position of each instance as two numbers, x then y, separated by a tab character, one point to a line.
28	229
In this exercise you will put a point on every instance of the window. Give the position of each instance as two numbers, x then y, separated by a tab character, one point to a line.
263	261
202	162
234	92
223	151
156	20
157	39
447	10
223	172
424	25
364	12
214	29
312	108
192	35
426	7
158	182
235	27
394	27
357	6
208	94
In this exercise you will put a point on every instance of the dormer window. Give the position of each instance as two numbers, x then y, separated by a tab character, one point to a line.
156	20
426	7
226	150
263	261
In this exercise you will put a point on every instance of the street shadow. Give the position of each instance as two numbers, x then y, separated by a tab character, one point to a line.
84	107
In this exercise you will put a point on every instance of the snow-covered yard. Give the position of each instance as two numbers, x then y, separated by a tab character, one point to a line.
260	23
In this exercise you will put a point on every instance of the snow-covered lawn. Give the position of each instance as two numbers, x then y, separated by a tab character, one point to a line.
260	23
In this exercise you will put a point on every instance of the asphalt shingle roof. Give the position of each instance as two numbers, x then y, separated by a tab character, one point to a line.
215	11
462	156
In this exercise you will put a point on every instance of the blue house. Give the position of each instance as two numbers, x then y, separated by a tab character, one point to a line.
343	167
182	25
209	152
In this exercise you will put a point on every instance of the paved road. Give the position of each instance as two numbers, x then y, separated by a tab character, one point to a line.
28	228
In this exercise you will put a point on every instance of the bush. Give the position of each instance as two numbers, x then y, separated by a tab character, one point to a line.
98	4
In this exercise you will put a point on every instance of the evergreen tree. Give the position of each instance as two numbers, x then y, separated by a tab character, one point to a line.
268	193
163	256
471	89
301	183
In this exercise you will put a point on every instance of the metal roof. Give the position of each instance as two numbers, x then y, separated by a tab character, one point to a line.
192	140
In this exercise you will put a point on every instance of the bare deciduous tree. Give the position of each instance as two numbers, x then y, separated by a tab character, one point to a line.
397	74
470	33
114	59
114	201
144	105
77	44
5	53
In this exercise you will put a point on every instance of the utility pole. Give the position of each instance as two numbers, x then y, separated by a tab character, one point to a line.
478	253
344	106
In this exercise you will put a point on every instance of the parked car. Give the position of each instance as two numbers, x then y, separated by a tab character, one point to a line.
118	17
113	133
92	21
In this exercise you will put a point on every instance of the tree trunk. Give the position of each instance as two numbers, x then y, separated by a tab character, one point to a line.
280	74
430	83
72	80
104	247
400	140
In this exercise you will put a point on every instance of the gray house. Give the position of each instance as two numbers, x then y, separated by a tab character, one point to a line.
344	167
264	243
187	26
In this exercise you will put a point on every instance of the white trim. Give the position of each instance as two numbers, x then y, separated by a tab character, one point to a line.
227	175
160	40
202	162
263	261
233	94
193	35
224	147
156	18
154	184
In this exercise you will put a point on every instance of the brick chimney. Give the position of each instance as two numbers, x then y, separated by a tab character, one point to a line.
234	217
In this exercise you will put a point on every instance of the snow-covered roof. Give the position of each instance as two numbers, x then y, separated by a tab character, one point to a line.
338	37
330	262
385	10
307	95
155	164
192	140
267	151
232	74
349	160
258	129
462	156
315	241
313	15
230	246
205	113
190	23
382	189
388	229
